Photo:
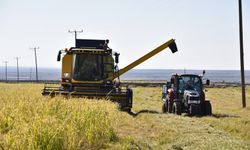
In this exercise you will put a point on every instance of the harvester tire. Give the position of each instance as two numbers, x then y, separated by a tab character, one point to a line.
164	107
207	108
177	108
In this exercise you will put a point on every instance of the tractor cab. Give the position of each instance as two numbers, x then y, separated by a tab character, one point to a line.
187	82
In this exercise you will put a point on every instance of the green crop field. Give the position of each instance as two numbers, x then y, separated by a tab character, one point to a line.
31	121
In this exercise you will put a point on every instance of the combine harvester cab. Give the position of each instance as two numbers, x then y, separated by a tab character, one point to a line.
91	70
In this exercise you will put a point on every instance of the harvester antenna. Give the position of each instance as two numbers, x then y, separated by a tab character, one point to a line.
17	67
75	32
35	48
6	70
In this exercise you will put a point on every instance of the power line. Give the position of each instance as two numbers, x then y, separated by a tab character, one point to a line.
6	70
242	56
75	32
35	48
17	67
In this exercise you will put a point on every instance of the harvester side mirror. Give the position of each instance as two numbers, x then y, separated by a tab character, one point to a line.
173	47
59	56
117	58
207	82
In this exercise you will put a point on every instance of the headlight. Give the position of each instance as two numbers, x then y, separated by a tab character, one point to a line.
194	101
66	75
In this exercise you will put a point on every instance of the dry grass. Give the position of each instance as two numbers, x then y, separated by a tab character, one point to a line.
150	129
30	121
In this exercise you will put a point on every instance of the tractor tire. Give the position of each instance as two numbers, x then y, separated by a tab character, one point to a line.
207	108
170	107
165	107
194	110
177	108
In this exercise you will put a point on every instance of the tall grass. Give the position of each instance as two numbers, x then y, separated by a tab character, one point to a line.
30	121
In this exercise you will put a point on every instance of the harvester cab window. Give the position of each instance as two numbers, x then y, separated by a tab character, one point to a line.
88	67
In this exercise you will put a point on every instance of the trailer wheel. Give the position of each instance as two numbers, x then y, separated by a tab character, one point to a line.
207	108
164	107
177	108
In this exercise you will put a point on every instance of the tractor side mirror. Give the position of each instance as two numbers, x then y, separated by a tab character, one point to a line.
59	56
207	82
117	58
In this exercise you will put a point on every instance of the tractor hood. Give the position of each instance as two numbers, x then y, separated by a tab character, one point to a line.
192	96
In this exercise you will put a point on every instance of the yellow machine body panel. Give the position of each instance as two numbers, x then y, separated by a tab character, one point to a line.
67	65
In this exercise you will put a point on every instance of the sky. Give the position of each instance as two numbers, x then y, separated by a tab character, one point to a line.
206	31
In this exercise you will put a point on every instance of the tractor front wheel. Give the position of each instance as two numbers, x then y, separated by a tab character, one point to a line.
177	108
194	110
207	108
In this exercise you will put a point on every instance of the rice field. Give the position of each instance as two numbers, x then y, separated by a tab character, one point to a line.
31	121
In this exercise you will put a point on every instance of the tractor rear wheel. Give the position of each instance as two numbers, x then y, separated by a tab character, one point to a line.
177	108
207	108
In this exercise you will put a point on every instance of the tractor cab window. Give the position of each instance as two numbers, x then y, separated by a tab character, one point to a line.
189	83
88	67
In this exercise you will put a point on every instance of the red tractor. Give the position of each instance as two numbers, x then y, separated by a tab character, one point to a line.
184	93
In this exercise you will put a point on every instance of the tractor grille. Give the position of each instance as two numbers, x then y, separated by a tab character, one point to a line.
194	98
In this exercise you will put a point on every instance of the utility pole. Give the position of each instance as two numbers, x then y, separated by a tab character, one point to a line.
35	48
75	32
242	57
30	74
6	70
17	68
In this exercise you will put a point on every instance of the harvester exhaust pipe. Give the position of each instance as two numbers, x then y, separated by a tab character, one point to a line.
59	55
173	47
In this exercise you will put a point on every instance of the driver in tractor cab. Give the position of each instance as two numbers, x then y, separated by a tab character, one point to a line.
189	85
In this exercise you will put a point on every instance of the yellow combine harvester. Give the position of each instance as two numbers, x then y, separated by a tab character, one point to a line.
90	70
